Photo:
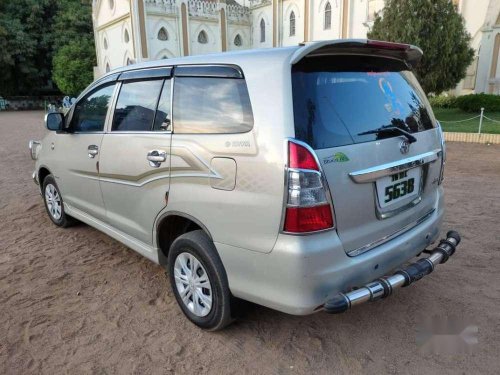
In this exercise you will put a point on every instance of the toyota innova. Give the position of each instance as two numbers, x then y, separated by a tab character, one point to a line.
294	178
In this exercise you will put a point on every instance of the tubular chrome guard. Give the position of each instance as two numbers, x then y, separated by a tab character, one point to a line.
384	286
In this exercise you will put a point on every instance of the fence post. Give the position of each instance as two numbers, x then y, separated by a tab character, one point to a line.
481	121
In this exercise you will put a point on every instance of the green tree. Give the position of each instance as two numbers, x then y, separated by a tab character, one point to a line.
438	29
74	58
25	45
73	66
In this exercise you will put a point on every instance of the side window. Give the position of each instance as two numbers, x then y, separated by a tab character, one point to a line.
163	116
90	112
136	105
211	105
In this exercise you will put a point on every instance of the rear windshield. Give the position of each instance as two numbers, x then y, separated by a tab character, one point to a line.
336	98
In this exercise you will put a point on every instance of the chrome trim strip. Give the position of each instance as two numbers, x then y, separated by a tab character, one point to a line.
374	173
385	215
389	237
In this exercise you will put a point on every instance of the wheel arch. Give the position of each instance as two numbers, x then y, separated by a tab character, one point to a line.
43	172
171	225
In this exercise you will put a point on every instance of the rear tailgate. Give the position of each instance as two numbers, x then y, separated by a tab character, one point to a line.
381	185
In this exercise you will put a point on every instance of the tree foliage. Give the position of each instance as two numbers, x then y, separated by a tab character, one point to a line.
73	66
31	33
26	42
438	29
75	58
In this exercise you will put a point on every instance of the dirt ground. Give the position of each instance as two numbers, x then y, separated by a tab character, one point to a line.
76	301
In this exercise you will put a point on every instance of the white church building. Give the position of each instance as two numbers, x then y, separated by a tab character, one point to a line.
130	31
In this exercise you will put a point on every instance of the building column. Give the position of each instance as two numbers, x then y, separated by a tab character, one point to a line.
139	32
345	18
494	64
223	25
306	20
184	29
275	23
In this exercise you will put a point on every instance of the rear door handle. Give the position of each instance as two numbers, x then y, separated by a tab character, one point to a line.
93	151
156	157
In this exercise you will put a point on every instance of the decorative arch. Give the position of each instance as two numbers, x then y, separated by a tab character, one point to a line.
105	43
162	34
125	33
203	27
165	52
171	32
238	40
128	59
202	37
291	25
327	16
106	64
262	30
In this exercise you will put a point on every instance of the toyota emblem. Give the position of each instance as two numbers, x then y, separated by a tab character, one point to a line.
404	146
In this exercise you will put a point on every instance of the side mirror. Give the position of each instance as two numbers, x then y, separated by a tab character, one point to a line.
54	121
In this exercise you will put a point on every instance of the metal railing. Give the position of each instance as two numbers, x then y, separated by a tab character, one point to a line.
481	118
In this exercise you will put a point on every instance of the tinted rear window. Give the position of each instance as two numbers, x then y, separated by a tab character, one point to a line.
338	97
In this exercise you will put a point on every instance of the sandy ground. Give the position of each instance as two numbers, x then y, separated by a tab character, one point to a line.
76	301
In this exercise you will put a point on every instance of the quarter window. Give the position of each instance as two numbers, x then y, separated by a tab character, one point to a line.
136	105
90	112
211	105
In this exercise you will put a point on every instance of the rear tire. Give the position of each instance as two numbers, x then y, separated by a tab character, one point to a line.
199	281
54	203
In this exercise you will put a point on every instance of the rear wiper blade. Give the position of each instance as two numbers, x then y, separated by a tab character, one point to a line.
391	129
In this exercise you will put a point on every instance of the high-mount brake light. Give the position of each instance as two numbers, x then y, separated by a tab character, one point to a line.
307	207
388	45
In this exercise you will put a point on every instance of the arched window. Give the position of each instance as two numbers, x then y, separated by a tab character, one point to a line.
237	40
202	37
162	34
328	17
107	67
164	57
126	37
292	23
111	4
129	62
262	30
105	43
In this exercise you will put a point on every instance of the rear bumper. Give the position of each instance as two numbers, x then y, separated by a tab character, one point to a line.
384	286
302	272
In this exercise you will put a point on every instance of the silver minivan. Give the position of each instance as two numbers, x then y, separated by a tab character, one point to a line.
295	178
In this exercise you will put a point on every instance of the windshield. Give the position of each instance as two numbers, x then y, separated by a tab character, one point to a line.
337	98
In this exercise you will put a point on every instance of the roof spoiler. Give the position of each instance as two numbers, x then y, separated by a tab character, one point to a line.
406	52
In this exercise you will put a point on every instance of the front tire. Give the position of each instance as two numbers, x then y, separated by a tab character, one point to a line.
199	281
54	203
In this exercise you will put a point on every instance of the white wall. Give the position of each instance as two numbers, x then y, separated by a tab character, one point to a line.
266	13
106	14
318	16
160	48
244	31
118	50
297	6
212	30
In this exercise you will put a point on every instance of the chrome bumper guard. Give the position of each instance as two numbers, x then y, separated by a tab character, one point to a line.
384	286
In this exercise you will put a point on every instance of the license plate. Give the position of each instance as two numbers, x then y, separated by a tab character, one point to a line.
399	186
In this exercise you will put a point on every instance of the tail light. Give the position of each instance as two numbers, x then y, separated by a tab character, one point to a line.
307	208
